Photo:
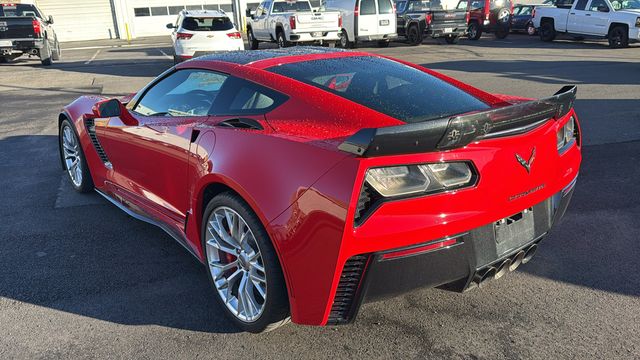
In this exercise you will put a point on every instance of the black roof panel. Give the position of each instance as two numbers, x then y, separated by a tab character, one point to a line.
248	56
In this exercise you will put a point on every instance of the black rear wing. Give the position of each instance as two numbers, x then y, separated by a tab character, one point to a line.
458	131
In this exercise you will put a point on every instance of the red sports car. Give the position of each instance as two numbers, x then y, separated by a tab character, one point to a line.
308	181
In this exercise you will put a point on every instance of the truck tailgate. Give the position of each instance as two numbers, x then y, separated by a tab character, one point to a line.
320	21
448	19
16	27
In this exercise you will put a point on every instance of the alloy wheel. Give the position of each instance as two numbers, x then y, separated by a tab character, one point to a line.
236	264
71	152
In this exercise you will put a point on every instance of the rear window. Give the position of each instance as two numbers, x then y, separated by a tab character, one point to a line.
367	7
207	23
384	85
425	5
285	7
385	7
15	10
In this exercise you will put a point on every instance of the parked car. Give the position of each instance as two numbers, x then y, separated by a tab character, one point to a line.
365	20
618	21
521	19
197	32
291	22
490	16
312	180
419	18
24	30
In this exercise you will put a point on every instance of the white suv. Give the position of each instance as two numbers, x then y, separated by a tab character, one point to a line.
199	32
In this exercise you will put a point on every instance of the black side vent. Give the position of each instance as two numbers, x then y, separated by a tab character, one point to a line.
91	130
344	305
242	123
368	201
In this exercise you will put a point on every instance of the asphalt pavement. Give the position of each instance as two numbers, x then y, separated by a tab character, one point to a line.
81	279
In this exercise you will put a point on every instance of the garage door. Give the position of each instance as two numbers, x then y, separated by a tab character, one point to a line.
80	19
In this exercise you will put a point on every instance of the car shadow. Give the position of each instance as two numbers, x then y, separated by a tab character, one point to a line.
80	254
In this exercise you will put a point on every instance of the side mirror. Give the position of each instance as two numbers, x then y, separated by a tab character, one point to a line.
108	108
603	8
170	26
248	12
50	19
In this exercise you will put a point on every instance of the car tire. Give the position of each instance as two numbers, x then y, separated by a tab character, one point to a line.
502	33
73	159
57	52
281	40
531	30
618	37
414	36
253	42
474	32
383	43
3	60
46	54
452	39
274	311
547	31
344	41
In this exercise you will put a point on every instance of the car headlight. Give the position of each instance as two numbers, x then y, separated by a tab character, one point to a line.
419	179
566	134
638	22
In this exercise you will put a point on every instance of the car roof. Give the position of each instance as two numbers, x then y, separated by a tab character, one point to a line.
252	56
203	13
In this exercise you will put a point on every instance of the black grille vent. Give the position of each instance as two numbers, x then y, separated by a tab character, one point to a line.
343	302
363	201
91	130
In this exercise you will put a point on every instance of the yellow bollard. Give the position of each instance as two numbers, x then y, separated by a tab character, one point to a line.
126	26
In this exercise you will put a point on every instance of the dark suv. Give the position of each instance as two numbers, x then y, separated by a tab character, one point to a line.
419	18
492	16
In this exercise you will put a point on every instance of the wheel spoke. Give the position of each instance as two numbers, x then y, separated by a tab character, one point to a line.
224	267
257	266
214	243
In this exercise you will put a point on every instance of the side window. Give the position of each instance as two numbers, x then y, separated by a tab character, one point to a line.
581	5
189	92
385	7
367	7
242	97
595	4
462	5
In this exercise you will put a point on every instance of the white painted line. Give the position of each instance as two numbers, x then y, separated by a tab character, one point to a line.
165	55
92	58
114	46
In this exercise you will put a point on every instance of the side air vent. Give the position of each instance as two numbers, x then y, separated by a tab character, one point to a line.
343	308
242	123
368	202
91	130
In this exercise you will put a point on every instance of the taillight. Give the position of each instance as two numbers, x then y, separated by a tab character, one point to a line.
356	11
235	35
183	36
533	13
393	4
292	22
340	20
468	17
37	30
486	16
428	19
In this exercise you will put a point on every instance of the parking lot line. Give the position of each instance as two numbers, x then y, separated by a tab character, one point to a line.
92	58
165	55
112	46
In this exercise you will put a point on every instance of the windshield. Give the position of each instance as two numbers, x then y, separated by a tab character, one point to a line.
207	24
384	85
14	10
400	6
286	7
626	5
424	5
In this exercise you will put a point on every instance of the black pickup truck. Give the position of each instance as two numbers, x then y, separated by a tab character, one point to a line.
25	31
420	18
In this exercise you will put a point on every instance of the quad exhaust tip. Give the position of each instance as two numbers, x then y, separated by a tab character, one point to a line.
508	265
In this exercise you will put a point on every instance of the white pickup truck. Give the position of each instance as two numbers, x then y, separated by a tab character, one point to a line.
287	22
615	20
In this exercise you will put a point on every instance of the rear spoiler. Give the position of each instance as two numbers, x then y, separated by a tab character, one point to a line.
458	131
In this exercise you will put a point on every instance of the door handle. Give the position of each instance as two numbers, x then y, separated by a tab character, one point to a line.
587	15
572	13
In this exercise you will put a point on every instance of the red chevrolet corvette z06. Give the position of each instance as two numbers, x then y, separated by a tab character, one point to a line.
309	181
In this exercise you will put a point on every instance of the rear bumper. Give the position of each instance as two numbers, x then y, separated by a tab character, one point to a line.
455	263
21	46
378	37
446	31
308	36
